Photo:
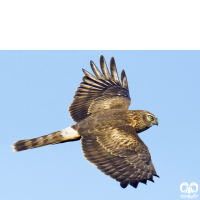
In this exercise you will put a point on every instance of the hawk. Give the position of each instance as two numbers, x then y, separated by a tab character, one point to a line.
107	129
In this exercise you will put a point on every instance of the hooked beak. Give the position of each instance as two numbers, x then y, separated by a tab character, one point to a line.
156	122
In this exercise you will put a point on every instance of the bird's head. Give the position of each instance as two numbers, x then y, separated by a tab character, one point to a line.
151	119
144	120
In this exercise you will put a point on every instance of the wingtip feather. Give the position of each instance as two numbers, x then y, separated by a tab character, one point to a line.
96	70
134	183
113	71
102	58
124	184
124	79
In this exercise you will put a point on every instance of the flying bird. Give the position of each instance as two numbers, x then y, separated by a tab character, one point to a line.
107	129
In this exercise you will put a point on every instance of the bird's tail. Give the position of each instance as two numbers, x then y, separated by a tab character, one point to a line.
67	134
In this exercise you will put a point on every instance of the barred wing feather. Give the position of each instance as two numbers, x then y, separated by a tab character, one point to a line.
99	92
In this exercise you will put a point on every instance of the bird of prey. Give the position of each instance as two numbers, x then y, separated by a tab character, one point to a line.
107	129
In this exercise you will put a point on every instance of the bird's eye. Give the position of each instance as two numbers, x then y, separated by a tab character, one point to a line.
150	117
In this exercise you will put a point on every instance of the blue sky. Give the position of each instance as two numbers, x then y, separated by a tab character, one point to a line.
37	88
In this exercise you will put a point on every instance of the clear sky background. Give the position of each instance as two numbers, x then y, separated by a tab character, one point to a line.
37	88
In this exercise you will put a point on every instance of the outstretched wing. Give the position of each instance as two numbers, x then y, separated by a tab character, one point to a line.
101	92
120	153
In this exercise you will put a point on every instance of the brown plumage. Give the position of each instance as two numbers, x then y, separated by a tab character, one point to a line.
107	129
